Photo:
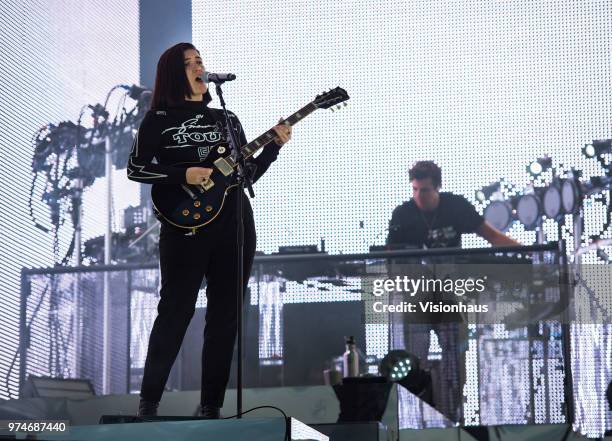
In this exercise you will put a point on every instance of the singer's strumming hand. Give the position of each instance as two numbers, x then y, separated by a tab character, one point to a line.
197	175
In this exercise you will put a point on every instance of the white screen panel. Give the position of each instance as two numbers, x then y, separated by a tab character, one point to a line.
481	87
55	57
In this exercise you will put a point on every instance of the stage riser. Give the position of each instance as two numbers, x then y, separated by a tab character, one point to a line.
253	429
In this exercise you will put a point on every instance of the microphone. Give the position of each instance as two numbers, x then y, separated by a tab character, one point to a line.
218	78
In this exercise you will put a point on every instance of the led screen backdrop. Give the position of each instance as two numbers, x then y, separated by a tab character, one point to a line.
481	87
55	57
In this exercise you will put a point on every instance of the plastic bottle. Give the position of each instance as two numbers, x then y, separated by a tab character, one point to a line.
351	359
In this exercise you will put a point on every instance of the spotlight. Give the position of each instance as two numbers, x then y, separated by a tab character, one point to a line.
571	196
529	210
500	214
588	151
551	201
398	364
402	367
487	191
598	147
539	166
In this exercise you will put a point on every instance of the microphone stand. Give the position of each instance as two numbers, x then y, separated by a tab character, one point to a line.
243	178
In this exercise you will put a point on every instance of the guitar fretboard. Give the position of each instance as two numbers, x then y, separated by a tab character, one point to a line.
258	143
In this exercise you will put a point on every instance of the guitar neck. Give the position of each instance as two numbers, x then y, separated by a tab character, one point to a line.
258	143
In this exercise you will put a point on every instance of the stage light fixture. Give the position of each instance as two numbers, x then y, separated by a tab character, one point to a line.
588	151
398	364
487	191
539	166
598	147
529	210
402	367
500	214
571	196
551	200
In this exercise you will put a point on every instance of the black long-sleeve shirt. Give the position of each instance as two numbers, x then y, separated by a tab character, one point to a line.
169	141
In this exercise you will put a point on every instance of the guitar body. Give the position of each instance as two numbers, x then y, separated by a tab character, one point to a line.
191	207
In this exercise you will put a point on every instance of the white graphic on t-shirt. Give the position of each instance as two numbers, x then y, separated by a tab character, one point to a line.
191	131
441	237
135	170
203	152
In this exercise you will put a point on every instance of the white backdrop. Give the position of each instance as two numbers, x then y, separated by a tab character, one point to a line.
481	87
55	56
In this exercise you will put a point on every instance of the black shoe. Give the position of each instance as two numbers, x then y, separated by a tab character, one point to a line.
147	408
208	412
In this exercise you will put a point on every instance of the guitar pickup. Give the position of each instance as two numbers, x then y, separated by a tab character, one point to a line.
206	185
224	166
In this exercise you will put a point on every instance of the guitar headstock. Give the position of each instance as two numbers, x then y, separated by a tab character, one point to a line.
331	98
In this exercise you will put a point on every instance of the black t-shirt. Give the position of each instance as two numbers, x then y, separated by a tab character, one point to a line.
441	228
183	136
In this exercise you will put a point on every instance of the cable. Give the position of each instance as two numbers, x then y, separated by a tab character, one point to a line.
36	170
120	104
31	206
287	427
69	251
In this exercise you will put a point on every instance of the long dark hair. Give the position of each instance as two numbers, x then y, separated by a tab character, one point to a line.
171	83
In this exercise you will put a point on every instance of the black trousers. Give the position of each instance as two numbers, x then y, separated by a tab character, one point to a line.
184	262
449	377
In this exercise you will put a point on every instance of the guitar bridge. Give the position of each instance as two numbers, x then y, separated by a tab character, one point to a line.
207	184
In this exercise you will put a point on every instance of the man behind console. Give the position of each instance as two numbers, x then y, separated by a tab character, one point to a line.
432	219
437	220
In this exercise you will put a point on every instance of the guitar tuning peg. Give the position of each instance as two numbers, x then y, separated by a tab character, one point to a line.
344	104
338	107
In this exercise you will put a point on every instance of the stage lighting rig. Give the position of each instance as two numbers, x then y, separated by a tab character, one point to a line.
68	157
137	92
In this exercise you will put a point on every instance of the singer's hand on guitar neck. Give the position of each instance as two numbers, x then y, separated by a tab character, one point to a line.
283	131
197	175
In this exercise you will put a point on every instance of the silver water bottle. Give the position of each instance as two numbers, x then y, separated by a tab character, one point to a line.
351	359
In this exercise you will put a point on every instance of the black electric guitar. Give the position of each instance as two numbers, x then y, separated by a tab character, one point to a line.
193	206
